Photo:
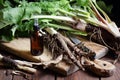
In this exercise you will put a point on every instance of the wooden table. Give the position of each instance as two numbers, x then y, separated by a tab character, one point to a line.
8	74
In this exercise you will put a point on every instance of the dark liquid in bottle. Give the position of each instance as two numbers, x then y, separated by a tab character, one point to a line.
36	41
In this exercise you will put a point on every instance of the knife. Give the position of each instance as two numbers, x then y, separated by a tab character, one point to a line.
99	50
81	46
74	40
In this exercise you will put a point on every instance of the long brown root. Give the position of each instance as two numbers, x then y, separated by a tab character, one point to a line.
77	54
16	65
103	37
56	44
59	44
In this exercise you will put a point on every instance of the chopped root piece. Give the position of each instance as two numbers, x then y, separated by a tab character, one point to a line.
98	67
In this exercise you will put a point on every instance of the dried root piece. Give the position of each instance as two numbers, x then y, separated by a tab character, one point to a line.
98	67
13	64
58	44
99	35
28	66
53	62
118	57
46	64
80	49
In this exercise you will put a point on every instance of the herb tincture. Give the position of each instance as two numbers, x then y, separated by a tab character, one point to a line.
36	40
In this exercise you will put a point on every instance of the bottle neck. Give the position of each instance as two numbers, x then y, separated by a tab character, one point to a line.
36	25
36	28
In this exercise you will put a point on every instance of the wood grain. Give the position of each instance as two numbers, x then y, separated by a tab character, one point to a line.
116	75
43	75
4	75
21	47
79	75
46	74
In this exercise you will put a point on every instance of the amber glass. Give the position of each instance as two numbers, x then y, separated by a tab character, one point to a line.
36	44
36	41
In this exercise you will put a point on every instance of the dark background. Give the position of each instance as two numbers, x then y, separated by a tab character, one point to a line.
115	14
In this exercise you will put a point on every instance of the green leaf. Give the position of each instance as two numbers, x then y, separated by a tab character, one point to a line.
6	38
104	7
31	11
1	1
7	4
25	26
82	2
13	15
79	33
6	35
1	4
17	1
4	23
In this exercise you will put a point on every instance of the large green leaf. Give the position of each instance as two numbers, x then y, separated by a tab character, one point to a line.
13	15
31	11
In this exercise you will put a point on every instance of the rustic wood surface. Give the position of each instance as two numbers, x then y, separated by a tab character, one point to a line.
41	74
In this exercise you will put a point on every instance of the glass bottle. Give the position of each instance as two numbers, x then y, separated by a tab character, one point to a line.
36	40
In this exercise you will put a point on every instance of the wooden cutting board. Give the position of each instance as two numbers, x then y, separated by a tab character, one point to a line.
21	48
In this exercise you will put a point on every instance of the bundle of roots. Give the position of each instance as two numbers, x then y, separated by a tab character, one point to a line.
77	54
103	37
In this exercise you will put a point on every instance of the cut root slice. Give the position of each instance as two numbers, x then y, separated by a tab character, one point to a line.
99	67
